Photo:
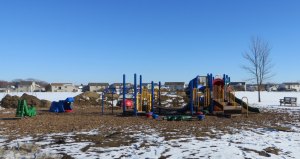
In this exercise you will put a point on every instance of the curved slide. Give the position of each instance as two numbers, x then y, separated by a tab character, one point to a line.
237	100
244	105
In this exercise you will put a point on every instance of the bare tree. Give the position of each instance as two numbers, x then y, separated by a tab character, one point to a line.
259	63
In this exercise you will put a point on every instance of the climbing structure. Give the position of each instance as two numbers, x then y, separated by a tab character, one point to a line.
214	95
62	105
143	98
24	110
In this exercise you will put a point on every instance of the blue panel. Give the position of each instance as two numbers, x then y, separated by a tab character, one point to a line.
70	99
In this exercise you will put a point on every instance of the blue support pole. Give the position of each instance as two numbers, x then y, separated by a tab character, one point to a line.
124	93
152	94
141	82
159	91
135	96
225	85
196	95
207	81
211	91
102	103
192	100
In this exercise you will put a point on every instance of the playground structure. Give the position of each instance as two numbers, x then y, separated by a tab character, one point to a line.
214	95
207	95
24	110
62	106
143	98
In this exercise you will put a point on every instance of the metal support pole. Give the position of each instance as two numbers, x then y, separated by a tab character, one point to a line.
225	86
247	104
102	103
141	83
135	96
112	102
159	92
124	93
197	98
211	93
152	94
192	95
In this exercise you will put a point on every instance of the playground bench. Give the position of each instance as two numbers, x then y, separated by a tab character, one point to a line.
288	100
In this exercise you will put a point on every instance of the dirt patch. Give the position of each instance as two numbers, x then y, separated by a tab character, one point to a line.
88	118
45	103
272	150
66	156
174	100
261	153
108	139
87	98
280	128
12	101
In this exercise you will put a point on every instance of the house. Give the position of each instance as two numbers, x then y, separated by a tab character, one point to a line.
6	90
254	87
79	88
61	87
251	87
238	86
26	86
175	86
271	87
292	86
97	87
39	88
6	87
149	85
120	85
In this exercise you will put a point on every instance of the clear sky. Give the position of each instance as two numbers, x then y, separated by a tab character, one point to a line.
167	40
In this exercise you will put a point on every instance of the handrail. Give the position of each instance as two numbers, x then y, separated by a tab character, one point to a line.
247	104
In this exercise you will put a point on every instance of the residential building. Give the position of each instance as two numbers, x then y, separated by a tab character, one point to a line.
120	85
175	86
61	87
238	86
149	85
6	90
254	87
292	86
271	87
79	88
97	87
39	88
26	86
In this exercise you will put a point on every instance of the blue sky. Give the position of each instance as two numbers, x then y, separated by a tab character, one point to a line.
167	40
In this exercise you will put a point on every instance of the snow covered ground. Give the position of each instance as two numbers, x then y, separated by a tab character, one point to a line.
51	96
251	143
268	98
254	143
